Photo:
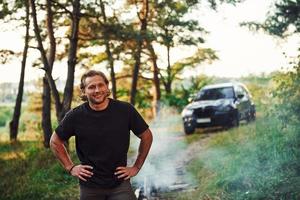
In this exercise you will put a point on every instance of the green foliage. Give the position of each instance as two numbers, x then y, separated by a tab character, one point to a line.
5	114
257	161
261	88
172	29
287	94
28	171
286	14
178	99
184	94
283	21
4	9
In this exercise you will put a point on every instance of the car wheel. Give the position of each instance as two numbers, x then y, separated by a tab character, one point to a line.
252	113
253	116
249	117
189	129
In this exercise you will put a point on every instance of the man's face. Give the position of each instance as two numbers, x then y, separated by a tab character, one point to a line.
95	89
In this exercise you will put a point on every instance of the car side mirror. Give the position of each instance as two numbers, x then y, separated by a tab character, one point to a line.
240	96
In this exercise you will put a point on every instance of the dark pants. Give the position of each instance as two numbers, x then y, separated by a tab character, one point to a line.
122	192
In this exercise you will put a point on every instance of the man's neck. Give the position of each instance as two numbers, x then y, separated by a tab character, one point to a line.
101	106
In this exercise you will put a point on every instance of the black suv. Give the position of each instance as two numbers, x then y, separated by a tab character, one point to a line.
223	105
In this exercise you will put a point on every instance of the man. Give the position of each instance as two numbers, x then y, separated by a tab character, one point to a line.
101	127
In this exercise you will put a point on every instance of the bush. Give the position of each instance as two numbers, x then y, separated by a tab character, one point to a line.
5	115
183	93
287	94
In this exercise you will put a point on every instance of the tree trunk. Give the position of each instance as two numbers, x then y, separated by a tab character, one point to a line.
156	81
168	85
14	123
109	54
46	112
47	67
46	98
112	71
72	60
137	54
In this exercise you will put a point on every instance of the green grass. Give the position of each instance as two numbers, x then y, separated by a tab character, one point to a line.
256	161
259	160
29	171
5	115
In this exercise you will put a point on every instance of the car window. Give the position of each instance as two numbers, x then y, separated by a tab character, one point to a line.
215	93
238	90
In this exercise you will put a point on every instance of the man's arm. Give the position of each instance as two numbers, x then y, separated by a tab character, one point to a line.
60	151
144	147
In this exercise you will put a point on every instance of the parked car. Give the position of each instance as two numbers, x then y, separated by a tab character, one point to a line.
223	105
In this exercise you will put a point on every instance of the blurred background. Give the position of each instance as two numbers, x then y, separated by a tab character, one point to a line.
157	54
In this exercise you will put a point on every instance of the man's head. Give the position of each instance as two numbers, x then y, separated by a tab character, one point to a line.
94	87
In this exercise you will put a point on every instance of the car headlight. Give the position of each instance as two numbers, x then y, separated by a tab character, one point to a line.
186	112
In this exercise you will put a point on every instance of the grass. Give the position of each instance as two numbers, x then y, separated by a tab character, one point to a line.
29	171
5	114
256	161
259	160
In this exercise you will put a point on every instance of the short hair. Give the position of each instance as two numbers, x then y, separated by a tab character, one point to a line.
92	73
87	74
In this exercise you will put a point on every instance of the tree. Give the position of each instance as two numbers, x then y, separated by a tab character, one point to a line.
14	123
46	96
61	106
173	30
283	20
64	105
97	29
143	18
156	80
108	51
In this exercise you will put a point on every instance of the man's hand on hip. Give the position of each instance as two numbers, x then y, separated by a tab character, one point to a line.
82	171
126	172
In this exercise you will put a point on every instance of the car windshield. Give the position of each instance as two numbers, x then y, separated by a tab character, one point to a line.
215	93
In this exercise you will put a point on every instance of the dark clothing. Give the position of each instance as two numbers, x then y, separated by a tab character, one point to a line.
102	138
121	192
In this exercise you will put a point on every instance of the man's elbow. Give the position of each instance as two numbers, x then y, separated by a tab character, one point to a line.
147	136
55	141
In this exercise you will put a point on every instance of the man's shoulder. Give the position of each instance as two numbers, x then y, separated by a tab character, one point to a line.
80	107
77	110
120	103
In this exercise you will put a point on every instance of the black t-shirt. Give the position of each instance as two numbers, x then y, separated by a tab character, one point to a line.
102	138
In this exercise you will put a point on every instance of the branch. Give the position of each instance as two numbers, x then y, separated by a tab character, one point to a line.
32	47
62	12
88	15
129	76
123	76
162	78
89	38
138	14
62	7
143	77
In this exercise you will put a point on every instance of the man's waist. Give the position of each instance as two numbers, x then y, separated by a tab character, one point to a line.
101	181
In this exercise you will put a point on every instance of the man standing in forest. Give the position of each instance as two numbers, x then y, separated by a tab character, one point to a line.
101	127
